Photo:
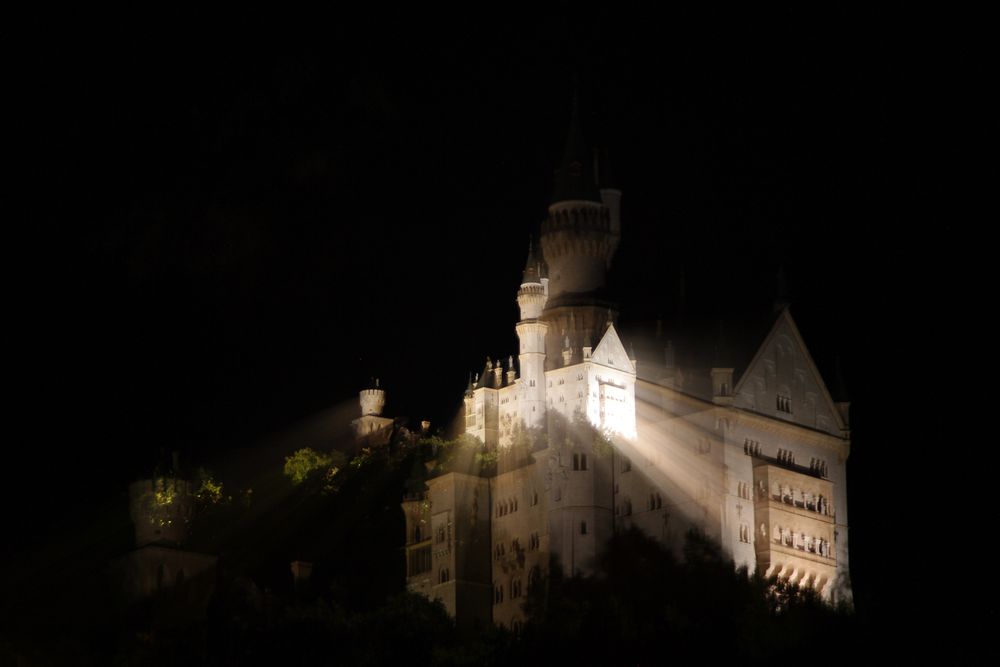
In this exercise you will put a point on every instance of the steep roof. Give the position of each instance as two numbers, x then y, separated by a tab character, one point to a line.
574	180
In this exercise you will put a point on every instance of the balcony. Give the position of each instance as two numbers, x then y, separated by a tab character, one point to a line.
788	504
801	552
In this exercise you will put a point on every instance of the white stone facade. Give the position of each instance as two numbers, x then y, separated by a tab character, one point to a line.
755	460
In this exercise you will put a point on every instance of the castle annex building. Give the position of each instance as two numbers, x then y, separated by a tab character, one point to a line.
754	458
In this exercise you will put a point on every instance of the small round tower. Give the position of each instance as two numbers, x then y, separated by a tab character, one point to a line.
372	400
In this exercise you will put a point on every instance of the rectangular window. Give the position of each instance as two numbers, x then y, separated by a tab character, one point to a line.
583	527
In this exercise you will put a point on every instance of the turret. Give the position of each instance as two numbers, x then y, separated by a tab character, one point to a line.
580	235
531	298
533	294
371	427
372	400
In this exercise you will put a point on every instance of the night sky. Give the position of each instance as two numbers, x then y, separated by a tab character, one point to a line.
240	219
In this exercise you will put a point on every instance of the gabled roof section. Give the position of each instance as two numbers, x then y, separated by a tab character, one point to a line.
783	368
611	352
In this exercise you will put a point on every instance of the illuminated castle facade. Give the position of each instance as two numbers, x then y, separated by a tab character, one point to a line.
591	440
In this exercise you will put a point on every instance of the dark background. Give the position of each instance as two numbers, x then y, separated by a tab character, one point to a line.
235	221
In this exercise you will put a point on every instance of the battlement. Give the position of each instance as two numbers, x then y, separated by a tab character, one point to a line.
372	401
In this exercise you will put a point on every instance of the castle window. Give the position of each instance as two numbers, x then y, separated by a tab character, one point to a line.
576	462
416	533
628	507
498	595
784	403
444	575
659	501
534	498
440	535
744	533
583	461
583	527
531	383
514	504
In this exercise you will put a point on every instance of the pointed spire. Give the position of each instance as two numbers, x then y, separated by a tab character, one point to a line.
533	271
575	177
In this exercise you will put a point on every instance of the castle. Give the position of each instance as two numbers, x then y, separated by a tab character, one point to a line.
591	440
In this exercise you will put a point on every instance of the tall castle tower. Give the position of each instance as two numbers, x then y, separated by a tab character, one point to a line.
579	239
531	331
371	428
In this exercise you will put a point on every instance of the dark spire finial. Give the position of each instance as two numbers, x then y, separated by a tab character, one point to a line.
533	266
575	177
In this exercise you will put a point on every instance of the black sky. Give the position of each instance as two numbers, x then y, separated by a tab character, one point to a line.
241	218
